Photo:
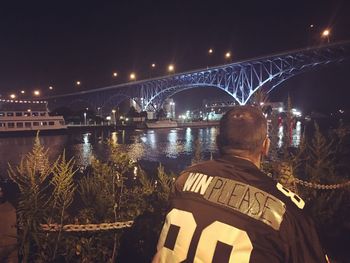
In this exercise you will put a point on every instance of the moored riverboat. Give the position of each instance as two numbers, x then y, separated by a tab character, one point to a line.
24	116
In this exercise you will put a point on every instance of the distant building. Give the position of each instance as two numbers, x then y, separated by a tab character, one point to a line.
169	108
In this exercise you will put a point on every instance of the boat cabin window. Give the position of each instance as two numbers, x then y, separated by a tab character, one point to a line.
19	124
36	123
18	114
9	114
51	123
2	114
43	123
28	124
42	113
11	125
26	114
35	113
2	124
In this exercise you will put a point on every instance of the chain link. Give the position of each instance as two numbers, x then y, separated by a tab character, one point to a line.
86	227
322	186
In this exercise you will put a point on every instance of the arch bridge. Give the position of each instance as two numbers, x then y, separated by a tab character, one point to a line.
239	79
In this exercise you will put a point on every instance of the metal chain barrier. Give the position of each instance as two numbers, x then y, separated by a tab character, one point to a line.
86	227
286	170
322	186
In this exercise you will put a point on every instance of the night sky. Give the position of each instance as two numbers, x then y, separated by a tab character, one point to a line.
55	43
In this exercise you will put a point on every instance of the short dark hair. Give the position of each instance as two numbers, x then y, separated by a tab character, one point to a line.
242	128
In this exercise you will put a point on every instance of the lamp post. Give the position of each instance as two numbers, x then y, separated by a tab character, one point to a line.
84	118
228	55
171	68
132	76
325	34
114	117
210	53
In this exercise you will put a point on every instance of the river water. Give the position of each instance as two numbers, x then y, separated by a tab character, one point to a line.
173	148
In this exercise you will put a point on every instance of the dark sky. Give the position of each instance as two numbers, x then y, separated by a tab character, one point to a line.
45	43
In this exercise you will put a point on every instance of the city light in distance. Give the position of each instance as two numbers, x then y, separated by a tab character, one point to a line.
210	51
13	96
22	92
50	88
36	92
153	65
326	33
78	82
171	68
132	76
228	55
115	74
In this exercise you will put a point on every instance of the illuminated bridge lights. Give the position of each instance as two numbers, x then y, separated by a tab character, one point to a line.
240	79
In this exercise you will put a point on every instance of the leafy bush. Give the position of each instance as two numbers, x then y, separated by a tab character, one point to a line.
111	191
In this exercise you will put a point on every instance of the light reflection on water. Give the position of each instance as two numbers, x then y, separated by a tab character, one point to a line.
174	148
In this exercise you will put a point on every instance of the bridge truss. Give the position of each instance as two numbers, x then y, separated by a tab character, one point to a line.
240	79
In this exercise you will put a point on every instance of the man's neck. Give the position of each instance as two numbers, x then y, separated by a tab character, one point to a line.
255	159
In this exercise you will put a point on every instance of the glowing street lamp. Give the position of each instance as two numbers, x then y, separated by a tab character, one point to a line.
325	34
22	92
84	118
50	88
36	92
78	83
114	117
132	76
228	55
210	51
13	96
171	68
115	74
153	65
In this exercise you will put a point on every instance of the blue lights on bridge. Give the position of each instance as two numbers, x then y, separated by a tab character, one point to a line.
240	80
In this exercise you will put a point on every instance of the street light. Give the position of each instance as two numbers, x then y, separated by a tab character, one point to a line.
228	55
50	88
22	92
36	92
78	83
132	76
326	33
84	118
13	96
115	120
210	51
115	74
153	65
171	68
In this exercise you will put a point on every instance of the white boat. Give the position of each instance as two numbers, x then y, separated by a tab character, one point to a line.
161	124
27	116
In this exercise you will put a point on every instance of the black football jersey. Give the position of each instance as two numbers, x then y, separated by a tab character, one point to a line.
227	210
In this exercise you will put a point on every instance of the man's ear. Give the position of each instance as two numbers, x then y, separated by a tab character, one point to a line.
265	146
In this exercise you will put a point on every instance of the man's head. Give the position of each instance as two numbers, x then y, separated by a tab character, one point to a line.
243	130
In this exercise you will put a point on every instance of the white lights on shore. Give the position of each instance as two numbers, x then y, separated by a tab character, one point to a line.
296	113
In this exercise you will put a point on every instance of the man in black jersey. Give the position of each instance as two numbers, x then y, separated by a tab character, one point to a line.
227	210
